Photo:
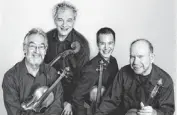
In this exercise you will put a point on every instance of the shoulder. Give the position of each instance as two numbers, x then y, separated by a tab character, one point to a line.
113	60
51	33
126	69
91	65
12	74
79	37
166	78
50	72
126	73
49	69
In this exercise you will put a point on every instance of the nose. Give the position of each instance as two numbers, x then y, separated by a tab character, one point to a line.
135	61
64	24
36	49
106	46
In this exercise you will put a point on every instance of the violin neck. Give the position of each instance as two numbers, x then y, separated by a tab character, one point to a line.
50	89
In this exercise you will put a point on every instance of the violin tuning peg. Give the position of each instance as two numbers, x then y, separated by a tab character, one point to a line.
66	76
159	82
67	69
97	69
58	72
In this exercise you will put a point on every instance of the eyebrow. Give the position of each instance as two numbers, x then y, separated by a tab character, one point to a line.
35	44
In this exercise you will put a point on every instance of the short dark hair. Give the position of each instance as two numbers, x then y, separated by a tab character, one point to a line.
105	30
151	49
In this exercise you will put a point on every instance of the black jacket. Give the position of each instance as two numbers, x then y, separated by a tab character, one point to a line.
75	62
131	91
89	78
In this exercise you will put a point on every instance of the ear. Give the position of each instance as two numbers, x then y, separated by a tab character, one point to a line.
24	49
152	57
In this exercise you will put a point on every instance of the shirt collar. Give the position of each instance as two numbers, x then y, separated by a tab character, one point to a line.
101	58
105	61
68	38
25	70
153	77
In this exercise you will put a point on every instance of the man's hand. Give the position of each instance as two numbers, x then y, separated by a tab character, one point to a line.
67	109
146	110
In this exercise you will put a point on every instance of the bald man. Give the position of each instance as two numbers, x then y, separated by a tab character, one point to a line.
142	87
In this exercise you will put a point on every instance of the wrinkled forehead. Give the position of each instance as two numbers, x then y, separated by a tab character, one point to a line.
36	39
106	37
65	11
140	48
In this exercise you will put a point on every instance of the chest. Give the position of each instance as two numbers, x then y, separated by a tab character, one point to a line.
29	84
136	92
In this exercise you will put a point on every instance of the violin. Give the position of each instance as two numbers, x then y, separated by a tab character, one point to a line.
150	99
43	96
98	90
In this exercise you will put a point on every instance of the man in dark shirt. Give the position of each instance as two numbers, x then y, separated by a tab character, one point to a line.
142	87
88	84
21	81
60	40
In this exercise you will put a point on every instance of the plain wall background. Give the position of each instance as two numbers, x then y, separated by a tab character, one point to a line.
130	19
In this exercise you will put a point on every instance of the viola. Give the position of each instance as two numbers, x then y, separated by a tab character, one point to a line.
150	99
43	96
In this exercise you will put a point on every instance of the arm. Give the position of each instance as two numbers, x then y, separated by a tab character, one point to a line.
110	103
166	101
11	94
83	55
84	86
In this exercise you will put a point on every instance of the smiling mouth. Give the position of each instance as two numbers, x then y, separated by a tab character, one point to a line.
136	68
64	29
107	52
36	56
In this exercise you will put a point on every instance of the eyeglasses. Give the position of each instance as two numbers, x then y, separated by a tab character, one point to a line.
34	47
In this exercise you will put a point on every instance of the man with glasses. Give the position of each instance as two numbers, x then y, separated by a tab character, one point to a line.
25	77
60	40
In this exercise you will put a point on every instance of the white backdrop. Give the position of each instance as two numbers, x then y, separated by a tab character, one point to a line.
130	19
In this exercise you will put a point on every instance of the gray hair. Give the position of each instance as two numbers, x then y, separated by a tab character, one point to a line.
64	5
34	31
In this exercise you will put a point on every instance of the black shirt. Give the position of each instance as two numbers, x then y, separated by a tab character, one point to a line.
75	62
130	91
89	78
19	85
